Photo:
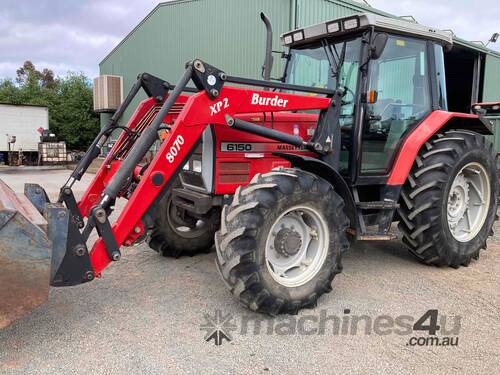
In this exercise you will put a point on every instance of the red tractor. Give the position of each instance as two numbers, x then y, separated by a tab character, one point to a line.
354	137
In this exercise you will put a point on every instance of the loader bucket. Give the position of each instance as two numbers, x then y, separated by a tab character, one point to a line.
25	256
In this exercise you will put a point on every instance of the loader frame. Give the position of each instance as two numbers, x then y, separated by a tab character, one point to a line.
212	103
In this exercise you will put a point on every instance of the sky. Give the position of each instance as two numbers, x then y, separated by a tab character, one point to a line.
470	20
75	35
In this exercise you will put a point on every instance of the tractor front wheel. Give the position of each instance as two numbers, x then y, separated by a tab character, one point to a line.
281	241
176	232
449	202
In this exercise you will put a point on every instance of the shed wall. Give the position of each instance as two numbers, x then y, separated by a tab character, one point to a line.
491	90
310	12
230	35
225	33
22	122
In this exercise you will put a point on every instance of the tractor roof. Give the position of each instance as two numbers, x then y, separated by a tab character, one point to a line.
351	24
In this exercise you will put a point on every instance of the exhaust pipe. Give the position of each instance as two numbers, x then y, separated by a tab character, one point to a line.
269	60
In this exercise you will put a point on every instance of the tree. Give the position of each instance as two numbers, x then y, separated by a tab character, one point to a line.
69	99
9	92
28	75
72	116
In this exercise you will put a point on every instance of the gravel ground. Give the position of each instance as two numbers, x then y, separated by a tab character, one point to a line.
144	316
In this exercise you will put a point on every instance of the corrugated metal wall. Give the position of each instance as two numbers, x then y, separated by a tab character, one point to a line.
491	92
226	33
495	138
313	11
230	35
310	12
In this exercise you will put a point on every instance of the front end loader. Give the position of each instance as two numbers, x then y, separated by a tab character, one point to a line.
383	148
44	243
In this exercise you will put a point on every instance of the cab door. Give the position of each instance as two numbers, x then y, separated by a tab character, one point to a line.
398	99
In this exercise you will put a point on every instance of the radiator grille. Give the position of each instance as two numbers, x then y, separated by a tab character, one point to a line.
123	149
176	109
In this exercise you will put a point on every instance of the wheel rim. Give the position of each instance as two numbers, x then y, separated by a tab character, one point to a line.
182	228
468	202
297	246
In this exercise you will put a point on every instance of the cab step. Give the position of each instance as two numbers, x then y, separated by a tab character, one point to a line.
378	205
372	236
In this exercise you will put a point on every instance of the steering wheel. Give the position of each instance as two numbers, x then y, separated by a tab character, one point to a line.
346	91
394	104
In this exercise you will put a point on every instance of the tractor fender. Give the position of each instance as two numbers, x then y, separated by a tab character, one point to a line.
325	171
436	121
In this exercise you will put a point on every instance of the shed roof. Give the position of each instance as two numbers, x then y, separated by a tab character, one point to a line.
361	7
23	105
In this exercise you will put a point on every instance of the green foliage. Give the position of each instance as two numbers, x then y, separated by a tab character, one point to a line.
28	75
69	99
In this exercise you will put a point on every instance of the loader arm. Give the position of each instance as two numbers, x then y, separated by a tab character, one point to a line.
140	119
199	111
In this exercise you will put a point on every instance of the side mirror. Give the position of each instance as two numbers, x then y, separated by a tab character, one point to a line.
378	45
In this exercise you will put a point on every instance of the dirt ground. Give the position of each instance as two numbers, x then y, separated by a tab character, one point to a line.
150	314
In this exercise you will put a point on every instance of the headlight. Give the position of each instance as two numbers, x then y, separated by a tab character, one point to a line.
197	166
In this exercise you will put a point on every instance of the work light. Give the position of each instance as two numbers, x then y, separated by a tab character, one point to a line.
351	23
333	27
298	36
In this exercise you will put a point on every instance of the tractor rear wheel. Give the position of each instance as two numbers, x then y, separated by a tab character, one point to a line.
281	241
449	201
176	233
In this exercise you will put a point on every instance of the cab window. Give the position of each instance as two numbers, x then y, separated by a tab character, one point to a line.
311	67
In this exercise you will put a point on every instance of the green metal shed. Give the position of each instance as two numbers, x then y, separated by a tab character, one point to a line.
229	34
491	92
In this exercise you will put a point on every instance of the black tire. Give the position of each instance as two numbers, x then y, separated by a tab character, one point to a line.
169	241
245	226
424	198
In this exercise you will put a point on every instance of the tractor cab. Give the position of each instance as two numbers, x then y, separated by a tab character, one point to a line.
390	74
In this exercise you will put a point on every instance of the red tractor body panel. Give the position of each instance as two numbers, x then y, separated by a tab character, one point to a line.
239	156
416	139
